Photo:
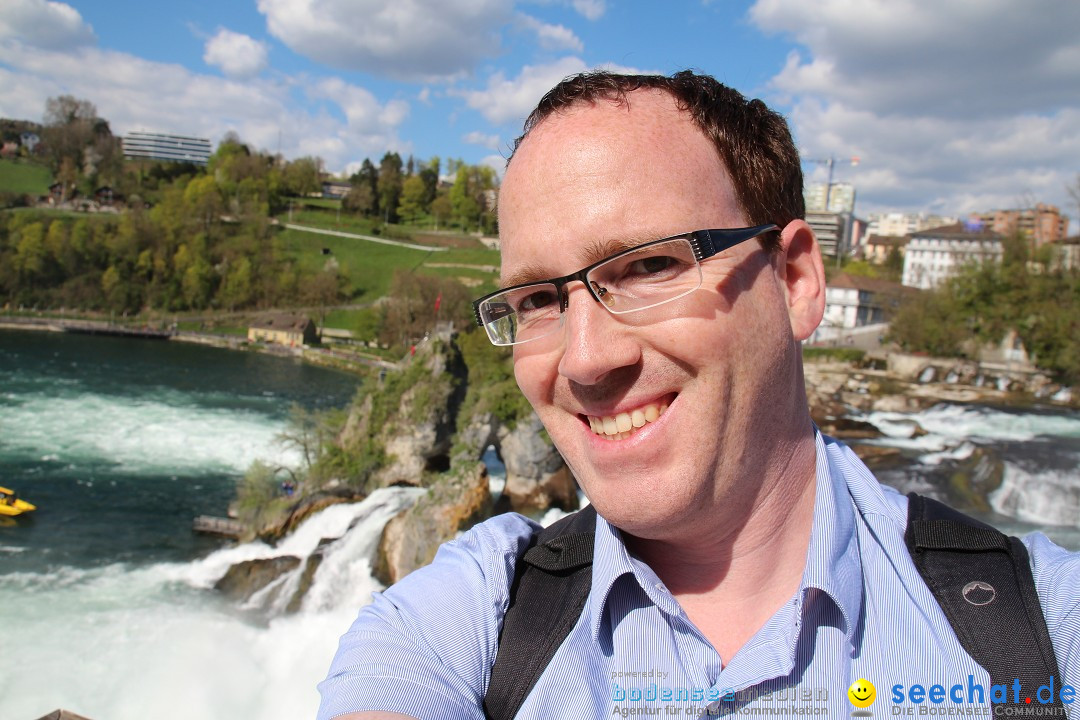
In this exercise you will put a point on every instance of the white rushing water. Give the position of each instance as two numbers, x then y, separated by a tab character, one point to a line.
117	643
1042	493
165	434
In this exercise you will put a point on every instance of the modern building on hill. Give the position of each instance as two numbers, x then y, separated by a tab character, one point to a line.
935	255
1042	223
169	148
289	329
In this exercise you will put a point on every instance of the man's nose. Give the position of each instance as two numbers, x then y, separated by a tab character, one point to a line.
595	343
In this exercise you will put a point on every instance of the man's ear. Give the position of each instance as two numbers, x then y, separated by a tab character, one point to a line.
799	264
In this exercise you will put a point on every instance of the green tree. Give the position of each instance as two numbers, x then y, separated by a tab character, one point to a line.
303	176
237	287
411	205
360	200
389	185
203	201
114	289
469	195
31	257
365	187
70	127
926	322
440	209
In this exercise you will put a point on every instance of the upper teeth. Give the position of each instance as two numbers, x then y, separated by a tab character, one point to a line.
624	423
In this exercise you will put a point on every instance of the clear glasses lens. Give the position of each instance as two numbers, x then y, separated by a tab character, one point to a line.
635	280
646	277
522	314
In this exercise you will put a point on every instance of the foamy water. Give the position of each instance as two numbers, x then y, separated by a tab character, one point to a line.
119	643
166	434
1040	453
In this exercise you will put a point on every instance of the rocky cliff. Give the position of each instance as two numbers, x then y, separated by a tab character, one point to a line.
427	425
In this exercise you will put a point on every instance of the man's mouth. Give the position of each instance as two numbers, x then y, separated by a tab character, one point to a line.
625	424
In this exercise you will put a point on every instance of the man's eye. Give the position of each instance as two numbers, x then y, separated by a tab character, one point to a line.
536	301
652	265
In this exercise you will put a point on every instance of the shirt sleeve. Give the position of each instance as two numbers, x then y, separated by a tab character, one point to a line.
1057	579
425	646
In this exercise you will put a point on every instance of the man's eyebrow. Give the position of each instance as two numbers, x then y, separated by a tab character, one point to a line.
598	250
524	275
587	254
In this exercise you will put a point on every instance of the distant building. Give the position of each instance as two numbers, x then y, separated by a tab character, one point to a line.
840	197
29	140
169	148
335	189
1042	223
1067	253
897	224
837	233
289	329
876	249
934	255
854	301
105	196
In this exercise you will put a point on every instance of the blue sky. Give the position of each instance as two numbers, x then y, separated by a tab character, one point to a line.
952	106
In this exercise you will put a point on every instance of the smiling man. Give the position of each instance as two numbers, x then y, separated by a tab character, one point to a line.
658	278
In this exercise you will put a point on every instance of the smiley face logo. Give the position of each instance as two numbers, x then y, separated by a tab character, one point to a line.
861	693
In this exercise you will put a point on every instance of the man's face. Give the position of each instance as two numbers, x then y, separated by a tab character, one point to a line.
718	363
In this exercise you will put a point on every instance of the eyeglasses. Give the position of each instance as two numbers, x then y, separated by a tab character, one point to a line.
640	278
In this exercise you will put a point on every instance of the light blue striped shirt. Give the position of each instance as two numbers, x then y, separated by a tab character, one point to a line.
425	647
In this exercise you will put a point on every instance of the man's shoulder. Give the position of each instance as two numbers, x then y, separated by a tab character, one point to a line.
1057	575
491	547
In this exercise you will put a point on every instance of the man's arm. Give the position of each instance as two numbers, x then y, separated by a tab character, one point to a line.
375	716
424	648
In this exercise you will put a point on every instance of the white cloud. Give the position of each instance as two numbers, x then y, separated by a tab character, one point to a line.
238	55
405	39
141	94
491	142
44	24
510	100
953	105
590	9
949	57
364	115
552	37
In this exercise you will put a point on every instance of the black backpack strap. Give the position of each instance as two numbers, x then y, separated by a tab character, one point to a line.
551	583
982	580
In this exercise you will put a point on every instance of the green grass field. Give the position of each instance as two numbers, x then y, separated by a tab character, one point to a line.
371	266
24	178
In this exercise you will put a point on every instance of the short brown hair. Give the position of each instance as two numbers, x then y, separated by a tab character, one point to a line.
753	142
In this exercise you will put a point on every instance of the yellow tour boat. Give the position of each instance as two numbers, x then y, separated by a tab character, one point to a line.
10	504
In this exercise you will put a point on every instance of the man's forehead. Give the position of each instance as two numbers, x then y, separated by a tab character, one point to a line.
601	177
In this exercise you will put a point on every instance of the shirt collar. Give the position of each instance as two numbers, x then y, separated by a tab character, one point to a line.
832	564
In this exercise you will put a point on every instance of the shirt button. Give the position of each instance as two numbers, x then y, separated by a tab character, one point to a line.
661	588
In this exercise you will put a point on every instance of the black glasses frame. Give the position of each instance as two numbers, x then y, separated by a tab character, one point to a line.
704	243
